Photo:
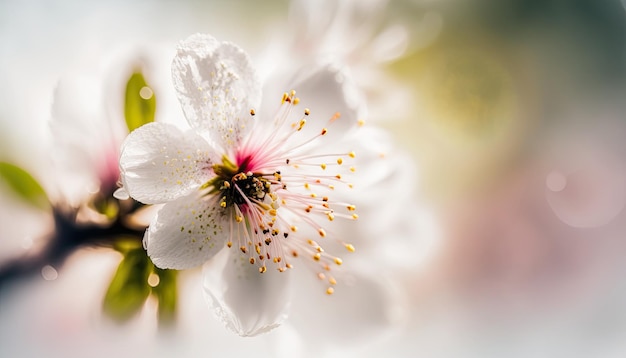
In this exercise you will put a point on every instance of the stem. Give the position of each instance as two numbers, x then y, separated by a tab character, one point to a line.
67	237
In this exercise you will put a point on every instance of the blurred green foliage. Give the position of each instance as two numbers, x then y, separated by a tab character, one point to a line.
139	102
166	294
129	288
24	185
134	281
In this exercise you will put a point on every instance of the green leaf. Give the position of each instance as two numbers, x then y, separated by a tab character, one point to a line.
124	244
139	103
166	293
129	288
24	185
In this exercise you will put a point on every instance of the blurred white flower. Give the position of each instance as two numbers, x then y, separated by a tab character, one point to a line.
88	121
355	34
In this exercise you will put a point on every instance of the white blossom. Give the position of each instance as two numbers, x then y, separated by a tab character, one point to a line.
250	191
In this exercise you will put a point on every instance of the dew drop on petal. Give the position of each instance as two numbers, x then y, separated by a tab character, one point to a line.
49	273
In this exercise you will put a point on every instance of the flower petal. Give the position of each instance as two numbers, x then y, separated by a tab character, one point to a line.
330	94
216	86
362	308
186	232
159	163
86	142
248	302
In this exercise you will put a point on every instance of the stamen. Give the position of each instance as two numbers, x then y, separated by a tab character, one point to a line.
256	189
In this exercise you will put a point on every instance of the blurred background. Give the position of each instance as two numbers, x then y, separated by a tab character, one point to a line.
511	112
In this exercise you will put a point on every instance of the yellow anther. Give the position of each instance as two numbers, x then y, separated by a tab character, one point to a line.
252	260
301	124
285	96
313	195
281	269
321	276
317	256
324	131
350	185
323	165
229	244
289	266
338	261
350	247
331	187
352	154
238	218
293	228
223	204
361	122
307	186
351	207
296	100
332	281
243	249
307	111
262	269
339	161
355	216
272	212
292	93
330	291
252	112
258	250
353	169
331	217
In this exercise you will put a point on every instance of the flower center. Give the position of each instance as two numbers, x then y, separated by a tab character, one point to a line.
236	185
264	206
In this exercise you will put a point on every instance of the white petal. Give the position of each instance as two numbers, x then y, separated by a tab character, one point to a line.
362	308
248	302
86	142
327	90
216	86
186	233
390	44
159	163
121	194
